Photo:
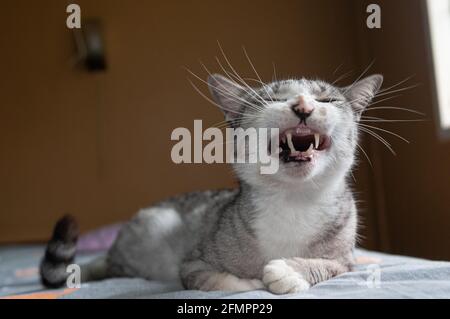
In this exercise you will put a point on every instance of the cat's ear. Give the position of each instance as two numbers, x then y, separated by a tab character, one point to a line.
226	94
361	93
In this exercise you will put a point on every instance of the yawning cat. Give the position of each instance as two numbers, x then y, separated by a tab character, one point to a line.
283	232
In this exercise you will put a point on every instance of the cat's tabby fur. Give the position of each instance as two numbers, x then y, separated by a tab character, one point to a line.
283	232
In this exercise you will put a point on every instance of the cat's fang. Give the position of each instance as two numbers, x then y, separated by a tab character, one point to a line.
309	152
316	140
290	144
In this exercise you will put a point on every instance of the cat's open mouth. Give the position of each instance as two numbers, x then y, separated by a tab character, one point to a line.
300	144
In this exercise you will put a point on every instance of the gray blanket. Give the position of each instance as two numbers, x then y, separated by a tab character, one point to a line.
377	276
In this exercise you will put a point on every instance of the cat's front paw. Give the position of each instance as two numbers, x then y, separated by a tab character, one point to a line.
280	278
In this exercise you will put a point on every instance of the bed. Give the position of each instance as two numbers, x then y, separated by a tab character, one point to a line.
376	275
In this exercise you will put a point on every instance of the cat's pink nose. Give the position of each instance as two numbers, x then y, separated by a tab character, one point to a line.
303	106
302	109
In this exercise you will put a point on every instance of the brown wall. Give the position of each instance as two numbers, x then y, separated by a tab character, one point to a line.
98	145
414	186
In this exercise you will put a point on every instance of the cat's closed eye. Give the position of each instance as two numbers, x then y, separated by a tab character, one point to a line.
268	99
328	100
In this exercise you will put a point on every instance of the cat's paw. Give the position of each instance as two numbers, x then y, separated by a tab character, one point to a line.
280	278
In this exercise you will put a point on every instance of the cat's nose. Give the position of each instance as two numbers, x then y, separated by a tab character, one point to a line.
302	109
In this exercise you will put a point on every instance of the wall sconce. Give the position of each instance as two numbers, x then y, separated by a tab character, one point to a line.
90	45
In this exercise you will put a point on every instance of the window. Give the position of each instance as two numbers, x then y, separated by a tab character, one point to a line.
439	25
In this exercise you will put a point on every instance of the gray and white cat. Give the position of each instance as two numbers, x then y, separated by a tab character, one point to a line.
283	232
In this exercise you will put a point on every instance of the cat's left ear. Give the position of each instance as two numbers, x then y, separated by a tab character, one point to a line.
226	94
361	93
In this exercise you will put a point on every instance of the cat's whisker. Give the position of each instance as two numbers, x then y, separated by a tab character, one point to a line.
389	121
394	108
211	101
384	100
265	85
395	85
359	77
342	77
256	72
251	105
228	91
398	90
234	97
248	116
237	74
383	140
274	76
238	79
372	103
384	130
255	80
240	119
225	124
371	117
365	154
337	69
380	138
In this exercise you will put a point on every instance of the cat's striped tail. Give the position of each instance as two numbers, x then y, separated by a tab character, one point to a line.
60	253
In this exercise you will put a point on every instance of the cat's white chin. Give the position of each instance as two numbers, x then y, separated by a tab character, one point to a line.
295	172
299	169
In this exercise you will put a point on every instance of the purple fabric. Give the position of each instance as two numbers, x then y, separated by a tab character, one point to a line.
99	239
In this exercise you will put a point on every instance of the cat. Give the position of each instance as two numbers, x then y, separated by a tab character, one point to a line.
283	232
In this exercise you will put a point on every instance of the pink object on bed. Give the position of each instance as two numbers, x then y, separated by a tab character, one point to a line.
99	239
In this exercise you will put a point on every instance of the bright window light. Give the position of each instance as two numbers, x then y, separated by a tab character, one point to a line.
439	24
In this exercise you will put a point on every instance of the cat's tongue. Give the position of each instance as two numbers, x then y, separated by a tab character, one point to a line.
300	144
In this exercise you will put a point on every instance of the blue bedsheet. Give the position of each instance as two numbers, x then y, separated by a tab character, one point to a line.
377	276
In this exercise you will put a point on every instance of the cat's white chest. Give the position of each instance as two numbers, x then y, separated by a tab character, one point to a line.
286	229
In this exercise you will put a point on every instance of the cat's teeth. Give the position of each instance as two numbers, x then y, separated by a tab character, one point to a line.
310	150
316	140
290	144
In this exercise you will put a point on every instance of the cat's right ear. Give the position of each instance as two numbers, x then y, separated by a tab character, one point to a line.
362	92
226	94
